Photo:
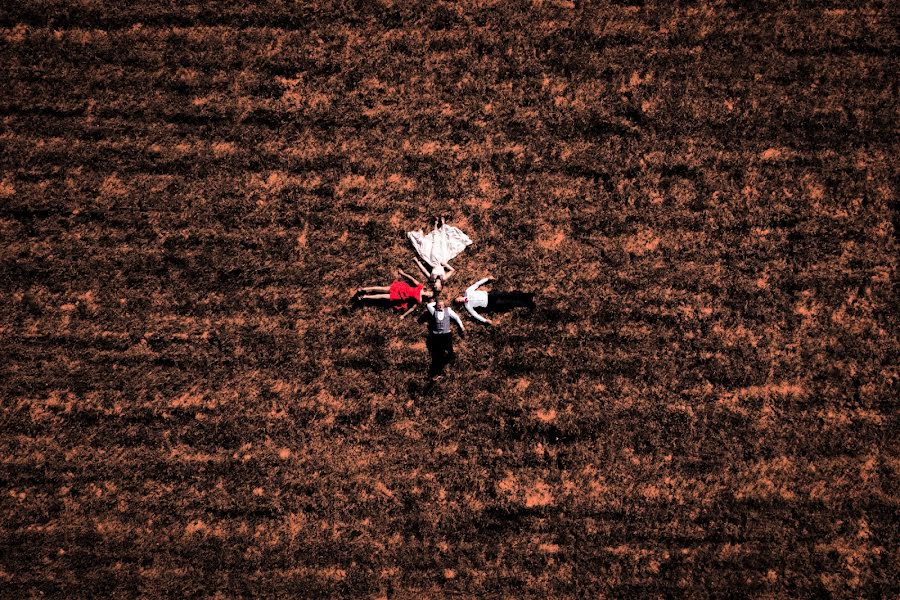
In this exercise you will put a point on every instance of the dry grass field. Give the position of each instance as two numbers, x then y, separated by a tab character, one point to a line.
703	197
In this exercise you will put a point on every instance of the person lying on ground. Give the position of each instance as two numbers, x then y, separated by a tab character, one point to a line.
401	294
437	248
438	276
440	335
492	301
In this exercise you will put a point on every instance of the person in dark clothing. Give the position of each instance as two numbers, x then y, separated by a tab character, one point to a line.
440	336
492	301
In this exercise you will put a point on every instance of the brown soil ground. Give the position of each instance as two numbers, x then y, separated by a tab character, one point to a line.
703	197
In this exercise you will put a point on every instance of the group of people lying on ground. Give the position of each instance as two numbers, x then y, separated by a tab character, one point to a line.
436	249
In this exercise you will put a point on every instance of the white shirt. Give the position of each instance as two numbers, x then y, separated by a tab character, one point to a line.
453	315
476	298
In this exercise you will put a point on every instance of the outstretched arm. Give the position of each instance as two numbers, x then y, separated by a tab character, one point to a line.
411	308
456	318
408	276
480	283
476	316
448	271
422	268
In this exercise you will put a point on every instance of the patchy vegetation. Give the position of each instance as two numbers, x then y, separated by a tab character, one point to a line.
703	198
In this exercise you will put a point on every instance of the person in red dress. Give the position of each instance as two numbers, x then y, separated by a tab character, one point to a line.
401	294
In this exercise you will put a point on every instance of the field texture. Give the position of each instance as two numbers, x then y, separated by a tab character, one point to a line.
703	197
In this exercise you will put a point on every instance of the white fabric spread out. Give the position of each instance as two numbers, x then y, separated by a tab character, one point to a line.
440	245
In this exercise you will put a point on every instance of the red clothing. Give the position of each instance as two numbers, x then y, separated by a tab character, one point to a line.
402	293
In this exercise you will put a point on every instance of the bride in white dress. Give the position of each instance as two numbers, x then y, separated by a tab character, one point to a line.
437	248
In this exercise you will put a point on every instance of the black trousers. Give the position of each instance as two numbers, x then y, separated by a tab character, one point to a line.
440	345
501	301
